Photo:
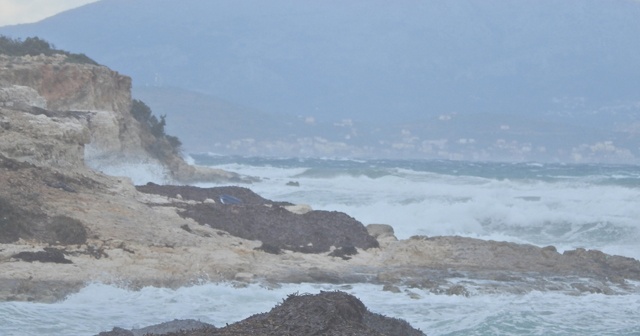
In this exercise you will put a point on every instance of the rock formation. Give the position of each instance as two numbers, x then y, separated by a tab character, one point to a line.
327	313
255	218
63	224
87	109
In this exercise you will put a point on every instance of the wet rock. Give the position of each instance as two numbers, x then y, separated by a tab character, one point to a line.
117	332
257	218
391	288
172	327
413	295
326	313
457	290
390	326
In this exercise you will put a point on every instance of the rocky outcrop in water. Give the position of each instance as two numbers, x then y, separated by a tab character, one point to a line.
326	313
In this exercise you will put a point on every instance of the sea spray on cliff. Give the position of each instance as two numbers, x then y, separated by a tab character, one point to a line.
139	171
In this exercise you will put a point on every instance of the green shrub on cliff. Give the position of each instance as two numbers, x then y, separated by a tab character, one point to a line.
164	143
34	46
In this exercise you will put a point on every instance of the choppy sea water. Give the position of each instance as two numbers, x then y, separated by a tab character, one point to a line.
568	206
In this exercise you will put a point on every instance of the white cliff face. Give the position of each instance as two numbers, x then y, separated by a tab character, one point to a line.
17	95
99	98
31	134
91	106
42	140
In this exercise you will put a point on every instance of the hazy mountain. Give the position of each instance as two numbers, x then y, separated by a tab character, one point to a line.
489	71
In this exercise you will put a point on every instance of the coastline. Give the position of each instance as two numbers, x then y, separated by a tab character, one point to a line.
140	239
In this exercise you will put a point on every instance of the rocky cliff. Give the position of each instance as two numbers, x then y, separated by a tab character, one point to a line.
90	107
63	223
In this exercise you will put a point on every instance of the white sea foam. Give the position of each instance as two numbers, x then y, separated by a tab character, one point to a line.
139	172
570	213
100	307
550	206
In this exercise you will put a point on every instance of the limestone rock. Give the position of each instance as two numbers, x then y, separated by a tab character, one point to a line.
14	95
86	110
55	141
381	232
299	209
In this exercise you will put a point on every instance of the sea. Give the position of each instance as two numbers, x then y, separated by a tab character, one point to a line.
591	206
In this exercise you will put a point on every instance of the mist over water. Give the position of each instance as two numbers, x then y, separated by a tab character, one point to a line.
568	206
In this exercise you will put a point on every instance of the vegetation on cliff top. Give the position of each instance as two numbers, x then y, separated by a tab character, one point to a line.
164	143
34	46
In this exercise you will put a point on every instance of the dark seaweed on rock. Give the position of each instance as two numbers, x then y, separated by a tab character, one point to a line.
50	255
327	313
198	194
344	252
313	232
261	219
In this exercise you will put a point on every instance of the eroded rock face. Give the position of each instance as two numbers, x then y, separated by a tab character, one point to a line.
100	97
48	140
21	96
56	113
69	86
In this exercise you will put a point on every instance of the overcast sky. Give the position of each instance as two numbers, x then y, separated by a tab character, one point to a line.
26	11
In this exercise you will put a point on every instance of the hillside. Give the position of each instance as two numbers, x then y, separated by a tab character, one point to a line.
569	68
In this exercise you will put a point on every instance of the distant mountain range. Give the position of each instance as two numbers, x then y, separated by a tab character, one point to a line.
548	80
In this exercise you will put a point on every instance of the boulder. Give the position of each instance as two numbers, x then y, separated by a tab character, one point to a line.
381	232
326	313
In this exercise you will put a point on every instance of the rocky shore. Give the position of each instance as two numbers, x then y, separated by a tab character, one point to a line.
326	313
64	224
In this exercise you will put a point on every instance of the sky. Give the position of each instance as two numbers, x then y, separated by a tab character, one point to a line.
27	11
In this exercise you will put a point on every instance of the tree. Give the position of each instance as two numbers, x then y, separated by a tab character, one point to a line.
34	46
143	114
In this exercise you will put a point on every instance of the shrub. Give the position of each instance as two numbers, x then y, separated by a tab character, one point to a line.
34	46
164	142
